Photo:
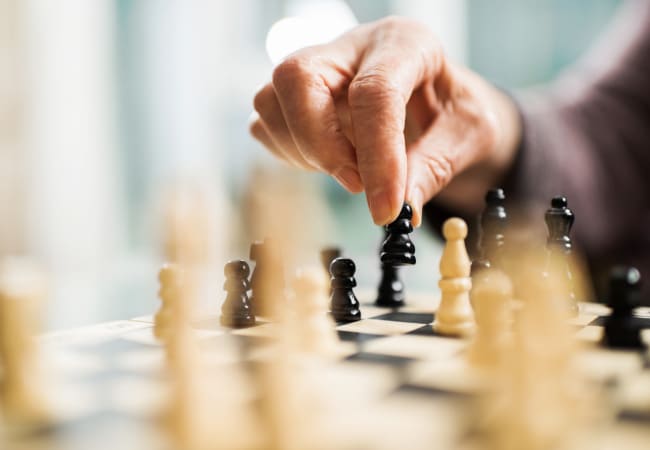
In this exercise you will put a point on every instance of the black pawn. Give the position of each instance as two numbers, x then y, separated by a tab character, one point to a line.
491	240
559	220
621	331
397	249
390	292
391	289
236	311
344	305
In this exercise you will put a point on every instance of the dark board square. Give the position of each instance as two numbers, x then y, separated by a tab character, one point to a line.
426	330
351	336
641	322
406	317
634	416
431	391
374	358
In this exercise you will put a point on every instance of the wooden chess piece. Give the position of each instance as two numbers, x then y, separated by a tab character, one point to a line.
236	311
316	330
491	239
621	331
169	293
454	315
491	298
344	305
23	396
559	220
267	280
327	255
397	249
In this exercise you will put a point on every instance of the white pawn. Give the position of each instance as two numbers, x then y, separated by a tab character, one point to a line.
491	299
169	293
315	331
23	395
454	316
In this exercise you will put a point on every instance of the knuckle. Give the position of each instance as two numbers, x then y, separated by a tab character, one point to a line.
372	88
441	169
255	129
290	71
263	98
394	21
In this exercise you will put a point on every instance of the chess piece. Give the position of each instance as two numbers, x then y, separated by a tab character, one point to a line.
491	240
391	288
397	249
23	395
454	316
491	298
267	281
621	331
539	406
169	293
327	255
316	332
559	220
236	311
344	305
390	292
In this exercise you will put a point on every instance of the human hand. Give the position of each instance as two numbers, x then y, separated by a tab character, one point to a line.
382	110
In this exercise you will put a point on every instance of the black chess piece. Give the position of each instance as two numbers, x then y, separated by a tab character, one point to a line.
621	331
267	282
391	288
390	292
491	239
236	311
559	220
344	305
397	249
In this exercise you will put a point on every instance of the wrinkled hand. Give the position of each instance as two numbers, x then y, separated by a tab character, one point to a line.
382	110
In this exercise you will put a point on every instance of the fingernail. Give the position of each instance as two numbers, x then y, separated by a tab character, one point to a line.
415	200
379	203
349	179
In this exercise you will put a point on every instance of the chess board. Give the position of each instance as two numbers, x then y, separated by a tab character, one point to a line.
397	384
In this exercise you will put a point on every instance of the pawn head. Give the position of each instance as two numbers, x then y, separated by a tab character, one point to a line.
342	268
624	283
495	196
559	202
406	212
454	229
236	269
169	272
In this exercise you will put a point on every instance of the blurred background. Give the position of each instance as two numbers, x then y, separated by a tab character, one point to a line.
104	104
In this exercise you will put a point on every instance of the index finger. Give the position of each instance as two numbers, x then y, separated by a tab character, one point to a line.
398	60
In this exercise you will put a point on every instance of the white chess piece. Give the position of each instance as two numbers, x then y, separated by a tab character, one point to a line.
316	333
454	315
491	298
168	293
22	392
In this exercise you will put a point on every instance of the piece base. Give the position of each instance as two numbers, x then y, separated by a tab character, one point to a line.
389	302
344	316
237	322
459	329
